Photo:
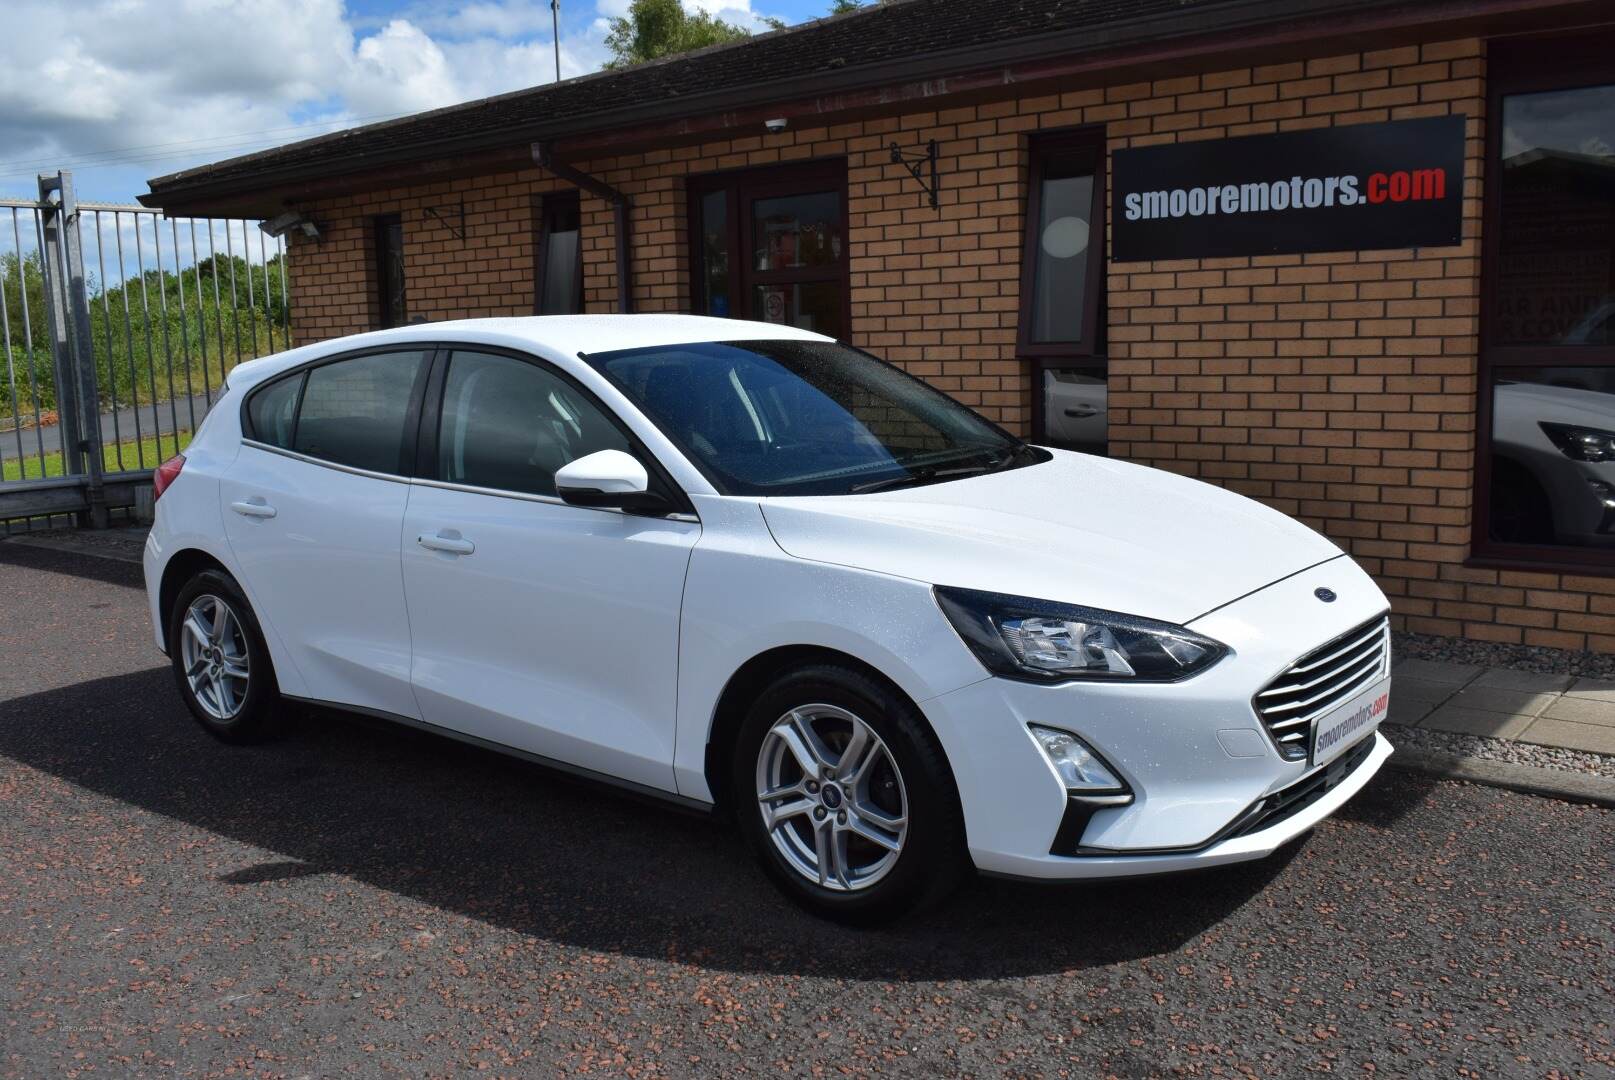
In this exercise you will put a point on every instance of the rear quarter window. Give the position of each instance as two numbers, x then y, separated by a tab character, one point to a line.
272	411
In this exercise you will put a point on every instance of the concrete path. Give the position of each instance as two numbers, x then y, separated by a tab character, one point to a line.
1549	710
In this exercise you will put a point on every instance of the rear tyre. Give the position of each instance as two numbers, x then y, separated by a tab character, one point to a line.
220	661
844	795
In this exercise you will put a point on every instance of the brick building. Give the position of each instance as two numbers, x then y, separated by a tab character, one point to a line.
1444	410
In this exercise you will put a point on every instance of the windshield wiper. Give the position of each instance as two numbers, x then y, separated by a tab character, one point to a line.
925	474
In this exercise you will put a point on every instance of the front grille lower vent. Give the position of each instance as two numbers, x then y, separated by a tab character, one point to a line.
1321	680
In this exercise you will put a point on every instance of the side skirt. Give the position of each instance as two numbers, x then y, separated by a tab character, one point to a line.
589	776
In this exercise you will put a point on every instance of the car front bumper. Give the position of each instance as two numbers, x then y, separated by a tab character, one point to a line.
1199	763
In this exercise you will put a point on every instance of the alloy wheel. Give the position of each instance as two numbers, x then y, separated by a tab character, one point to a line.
213	649
831	797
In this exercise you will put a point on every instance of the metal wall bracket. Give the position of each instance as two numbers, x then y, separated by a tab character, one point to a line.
915	163
451	218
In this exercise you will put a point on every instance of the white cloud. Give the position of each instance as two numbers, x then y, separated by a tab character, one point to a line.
138	88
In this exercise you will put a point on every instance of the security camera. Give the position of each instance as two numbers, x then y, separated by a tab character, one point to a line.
282	224
776	126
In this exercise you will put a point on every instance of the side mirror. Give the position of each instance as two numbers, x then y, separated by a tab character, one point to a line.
608	478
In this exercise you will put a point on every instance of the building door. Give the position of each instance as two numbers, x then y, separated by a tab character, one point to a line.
770	245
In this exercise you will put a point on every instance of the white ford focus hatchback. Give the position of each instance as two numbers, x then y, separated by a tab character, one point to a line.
739	565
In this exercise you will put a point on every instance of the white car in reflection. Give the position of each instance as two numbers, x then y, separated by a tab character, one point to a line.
1076	409
744	568
1553	465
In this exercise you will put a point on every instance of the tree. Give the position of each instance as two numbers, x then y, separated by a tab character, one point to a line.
841	7
657	28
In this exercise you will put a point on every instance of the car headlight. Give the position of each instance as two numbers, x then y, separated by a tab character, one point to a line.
1042	641
1580	443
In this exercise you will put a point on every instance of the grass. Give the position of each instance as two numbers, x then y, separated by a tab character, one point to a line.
137	453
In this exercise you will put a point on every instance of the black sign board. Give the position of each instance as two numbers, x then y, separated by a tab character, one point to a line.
1351	188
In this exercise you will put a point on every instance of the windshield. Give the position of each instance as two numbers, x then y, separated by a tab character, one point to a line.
806	417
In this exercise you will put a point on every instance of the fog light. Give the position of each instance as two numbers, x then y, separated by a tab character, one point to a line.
1082	770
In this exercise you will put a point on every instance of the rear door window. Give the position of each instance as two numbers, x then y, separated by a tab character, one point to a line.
355	412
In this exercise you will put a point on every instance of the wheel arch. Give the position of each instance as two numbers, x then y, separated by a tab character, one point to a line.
180	568
756	673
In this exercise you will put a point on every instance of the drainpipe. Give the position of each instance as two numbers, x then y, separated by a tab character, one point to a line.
544	158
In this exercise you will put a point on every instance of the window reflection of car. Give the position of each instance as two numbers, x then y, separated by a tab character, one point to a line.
1553	465
1596	328
1077	413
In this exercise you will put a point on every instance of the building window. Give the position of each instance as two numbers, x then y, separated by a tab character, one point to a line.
1547	461
559	254
392	306
770	244
1062	274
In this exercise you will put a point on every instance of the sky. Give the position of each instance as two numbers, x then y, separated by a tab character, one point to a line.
119	91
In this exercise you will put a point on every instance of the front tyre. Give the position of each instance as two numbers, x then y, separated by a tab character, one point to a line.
220	661
844	794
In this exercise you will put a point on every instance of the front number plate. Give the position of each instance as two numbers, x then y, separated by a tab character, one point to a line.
1336	732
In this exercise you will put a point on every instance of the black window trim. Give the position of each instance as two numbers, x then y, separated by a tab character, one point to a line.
249	433
426	402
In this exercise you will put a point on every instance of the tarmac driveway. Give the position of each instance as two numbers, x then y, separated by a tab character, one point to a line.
357	900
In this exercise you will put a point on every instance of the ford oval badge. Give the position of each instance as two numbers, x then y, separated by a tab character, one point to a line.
1326	595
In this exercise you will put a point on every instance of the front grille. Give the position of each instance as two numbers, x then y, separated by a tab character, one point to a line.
1321	680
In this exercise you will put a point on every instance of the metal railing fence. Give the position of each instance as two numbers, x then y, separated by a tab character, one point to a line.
118	326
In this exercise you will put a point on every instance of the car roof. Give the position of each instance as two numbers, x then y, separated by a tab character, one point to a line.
553	336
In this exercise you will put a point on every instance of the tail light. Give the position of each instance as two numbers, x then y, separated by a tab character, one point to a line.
166	474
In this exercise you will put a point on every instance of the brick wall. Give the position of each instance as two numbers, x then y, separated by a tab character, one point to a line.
1339	388
486	270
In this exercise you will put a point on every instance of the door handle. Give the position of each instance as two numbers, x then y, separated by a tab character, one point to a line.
452	545
1082	412
253	508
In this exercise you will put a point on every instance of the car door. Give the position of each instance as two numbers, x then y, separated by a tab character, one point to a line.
312	509
538	625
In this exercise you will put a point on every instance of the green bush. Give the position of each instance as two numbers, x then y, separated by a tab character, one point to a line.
146	339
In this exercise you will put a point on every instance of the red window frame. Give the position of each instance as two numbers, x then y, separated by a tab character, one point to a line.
742	189
1074	149
1525	66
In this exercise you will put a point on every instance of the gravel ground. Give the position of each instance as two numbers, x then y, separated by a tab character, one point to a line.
1494	655
360	901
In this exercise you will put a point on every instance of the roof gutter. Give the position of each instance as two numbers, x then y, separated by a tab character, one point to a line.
622	206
